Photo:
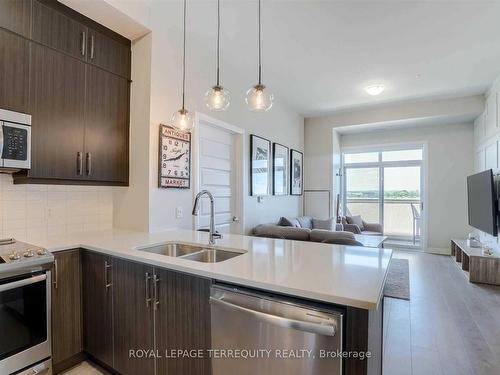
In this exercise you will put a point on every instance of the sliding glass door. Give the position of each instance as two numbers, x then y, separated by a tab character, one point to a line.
386	187
402	203
363	192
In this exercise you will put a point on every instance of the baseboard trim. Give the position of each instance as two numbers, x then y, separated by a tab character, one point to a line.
438	250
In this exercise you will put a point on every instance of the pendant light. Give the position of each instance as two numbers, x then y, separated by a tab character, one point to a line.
258	97
217	98
182	119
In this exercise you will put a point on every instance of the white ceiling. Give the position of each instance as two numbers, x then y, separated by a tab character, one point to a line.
319	55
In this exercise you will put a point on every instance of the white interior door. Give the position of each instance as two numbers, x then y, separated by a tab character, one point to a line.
219	171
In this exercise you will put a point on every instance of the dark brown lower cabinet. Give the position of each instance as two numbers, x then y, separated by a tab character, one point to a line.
66	310
98	307
116	310
133	317
182	322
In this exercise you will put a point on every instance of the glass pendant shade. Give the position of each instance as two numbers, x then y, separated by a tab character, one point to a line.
259	99
183	121
217	98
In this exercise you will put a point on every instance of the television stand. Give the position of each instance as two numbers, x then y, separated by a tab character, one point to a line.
480	268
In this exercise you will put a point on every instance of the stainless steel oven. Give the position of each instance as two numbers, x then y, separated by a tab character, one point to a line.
15	141
25	311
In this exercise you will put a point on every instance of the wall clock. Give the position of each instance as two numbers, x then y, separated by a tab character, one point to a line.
174	159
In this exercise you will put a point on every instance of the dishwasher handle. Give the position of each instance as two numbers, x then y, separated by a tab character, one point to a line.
300	325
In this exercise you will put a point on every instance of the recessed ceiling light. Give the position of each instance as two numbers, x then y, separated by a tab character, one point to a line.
375	89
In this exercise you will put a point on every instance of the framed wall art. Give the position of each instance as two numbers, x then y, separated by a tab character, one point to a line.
260	165
280	169
174	158
296	172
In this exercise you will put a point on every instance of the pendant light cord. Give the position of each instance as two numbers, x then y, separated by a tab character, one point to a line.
218	41
184	58
260	52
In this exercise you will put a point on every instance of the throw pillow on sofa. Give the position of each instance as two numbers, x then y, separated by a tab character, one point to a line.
286	222
356	219
305	221
323	224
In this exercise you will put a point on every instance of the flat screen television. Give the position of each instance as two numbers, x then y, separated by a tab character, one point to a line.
482	200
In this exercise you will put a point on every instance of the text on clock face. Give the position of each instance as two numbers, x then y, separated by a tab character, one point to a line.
175	158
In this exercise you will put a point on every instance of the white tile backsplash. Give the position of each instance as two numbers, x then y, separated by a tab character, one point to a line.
44	211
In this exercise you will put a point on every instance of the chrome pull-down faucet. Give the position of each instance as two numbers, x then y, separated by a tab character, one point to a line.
213	235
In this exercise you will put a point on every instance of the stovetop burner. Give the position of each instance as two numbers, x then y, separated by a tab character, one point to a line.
17	254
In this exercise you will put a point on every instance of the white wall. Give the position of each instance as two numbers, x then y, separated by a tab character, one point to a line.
450	161
321	139
487	144
131	204
322	161
280	124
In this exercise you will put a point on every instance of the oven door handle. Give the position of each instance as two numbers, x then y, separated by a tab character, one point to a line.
23	282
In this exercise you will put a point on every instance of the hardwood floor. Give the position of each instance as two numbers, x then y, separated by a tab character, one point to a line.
86	368
450	326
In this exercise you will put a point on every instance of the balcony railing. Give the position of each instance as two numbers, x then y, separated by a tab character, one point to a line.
398	215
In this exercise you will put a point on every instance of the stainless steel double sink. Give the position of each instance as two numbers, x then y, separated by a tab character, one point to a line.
197	253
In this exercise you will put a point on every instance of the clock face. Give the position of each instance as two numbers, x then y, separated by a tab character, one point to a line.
175	158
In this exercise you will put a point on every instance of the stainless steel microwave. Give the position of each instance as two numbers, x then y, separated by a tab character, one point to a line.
15	141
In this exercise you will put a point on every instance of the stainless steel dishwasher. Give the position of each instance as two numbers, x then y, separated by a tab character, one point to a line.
255	333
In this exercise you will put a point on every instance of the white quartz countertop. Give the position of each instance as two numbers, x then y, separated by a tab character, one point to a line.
345	275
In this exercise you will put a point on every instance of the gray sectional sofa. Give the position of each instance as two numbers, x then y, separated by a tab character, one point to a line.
306	228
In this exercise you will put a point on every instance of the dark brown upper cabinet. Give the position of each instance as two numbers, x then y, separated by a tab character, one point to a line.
57	30
15	15
59	27
14	71
108	53
58	115
73	77
106	127
66	308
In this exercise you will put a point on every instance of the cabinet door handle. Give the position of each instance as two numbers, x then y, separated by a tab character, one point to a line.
89	163
107	267
148	294
56	274
156	281
92	41
83	42
79	164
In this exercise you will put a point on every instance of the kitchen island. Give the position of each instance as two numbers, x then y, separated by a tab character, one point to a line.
348	279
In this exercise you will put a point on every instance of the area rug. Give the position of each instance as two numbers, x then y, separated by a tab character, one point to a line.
397	284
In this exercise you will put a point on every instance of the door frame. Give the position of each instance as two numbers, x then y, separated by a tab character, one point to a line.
424	178
239	134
